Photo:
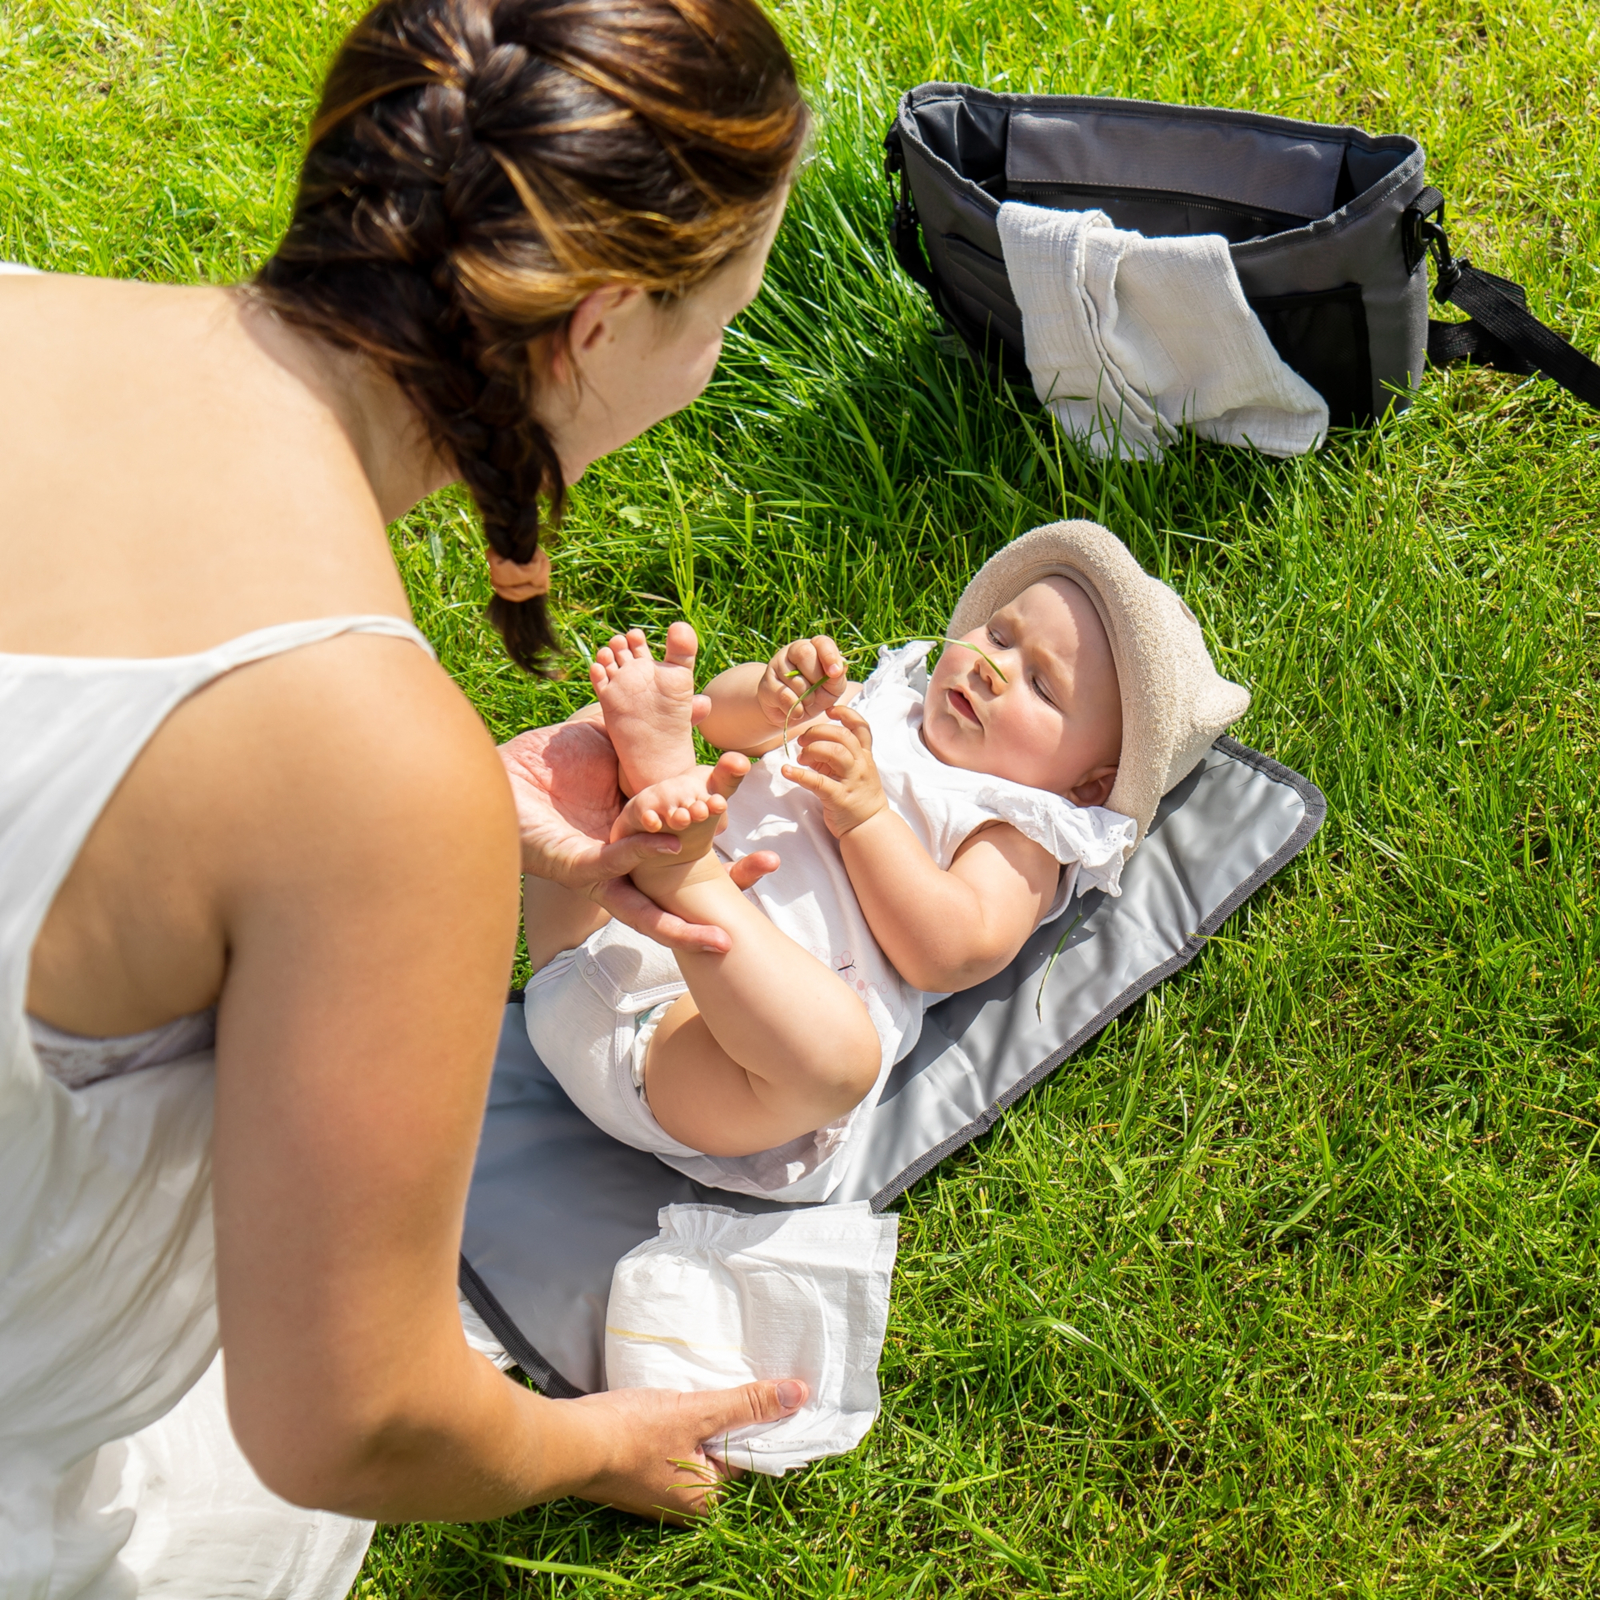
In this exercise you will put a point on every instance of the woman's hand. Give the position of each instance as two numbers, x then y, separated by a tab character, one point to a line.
805	664
663	1446
564	780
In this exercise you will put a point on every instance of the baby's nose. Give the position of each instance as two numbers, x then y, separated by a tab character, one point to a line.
997	672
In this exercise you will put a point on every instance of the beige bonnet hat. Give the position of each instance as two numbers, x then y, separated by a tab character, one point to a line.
1174	703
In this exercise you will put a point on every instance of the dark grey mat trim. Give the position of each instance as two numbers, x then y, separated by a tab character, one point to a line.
1316	805
545	1377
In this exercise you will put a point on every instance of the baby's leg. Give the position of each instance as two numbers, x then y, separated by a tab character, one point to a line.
648	704
767	1045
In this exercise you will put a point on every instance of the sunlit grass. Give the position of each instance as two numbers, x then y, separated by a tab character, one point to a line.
1285	1286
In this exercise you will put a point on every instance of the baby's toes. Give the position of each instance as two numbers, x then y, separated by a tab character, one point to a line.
637	645
683	645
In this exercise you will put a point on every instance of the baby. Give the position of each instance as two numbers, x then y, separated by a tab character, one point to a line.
926	825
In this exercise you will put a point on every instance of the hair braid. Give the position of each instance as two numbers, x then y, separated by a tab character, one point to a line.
477	167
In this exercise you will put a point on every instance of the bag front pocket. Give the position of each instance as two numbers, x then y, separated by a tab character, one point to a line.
1322	335
982	292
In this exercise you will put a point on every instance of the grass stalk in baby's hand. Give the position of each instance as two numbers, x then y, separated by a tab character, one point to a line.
904	639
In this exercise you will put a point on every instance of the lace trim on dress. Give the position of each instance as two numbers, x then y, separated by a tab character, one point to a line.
77	1062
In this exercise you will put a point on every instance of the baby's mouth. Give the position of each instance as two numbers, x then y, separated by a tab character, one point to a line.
962	707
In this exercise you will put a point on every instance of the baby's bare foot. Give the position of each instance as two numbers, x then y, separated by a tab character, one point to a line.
648	704
674	805
692	806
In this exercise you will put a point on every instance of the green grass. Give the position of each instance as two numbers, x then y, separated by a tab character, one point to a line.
1285	1286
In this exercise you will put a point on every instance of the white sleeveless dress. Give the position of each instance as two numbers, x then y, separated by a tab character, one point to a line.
118	1473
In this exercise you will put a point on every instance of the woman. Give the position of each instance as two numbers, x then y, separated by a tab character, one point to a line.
258	859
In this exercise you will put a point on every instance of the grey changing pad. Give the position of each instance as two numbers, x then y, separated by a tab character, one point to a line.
555	1203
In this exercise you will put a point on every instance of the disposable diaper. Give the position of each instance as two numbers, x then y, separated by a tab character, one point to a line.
720	1298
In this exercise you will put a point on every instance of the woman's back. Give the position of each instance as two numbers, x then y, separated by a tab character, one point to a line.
106	1254
175	474
200	800
178	478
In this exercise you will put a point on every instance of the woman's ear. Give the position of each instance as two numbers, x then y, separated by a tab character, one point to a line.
1095	787
594	320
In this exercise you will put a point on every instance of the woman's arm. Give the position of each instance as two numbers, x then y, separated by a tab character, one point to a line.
370	926
943	931
752	702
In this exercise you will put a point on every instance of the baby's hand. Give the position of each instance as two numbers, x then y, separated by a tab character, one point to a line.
836	765
794	670
671	806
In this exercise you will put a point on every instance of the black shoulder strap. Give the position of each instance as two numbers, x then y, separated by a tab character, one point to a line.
1502	331
905	233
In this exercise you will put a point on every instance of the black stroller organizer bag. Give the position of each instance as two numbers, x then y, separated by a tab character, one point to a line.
1328	228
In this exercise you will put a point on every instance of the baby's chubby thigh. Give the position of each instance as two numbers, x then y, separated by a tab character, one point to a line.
760	1051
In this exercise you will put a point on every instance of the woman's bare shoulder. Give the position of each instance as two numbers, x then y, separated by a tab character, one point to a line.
344	789
359	730
215	487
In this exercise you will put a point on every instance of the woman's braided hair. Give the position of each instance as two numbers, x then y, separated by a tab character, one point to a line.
477	167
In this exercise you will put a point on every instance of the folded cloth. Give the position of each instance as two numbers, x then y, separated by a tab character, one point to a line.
1129	339
720	1298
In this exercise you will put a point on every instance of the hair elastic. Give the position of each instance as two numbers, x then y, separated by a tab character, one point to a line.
517	583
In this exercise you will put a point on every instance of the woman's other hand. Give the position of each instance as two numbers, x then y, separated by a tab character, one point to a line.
664	1446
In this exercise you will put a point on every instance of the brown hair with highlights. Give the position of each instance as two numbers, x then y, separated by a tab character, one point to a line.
477	167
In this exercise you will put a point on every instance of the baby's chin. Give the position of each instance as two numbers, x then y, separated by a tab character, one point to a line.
935	736
941	734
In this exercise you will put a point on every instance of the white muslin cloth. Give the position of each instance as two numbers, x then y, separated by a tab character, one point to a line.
1130	339
590	1012
720	1298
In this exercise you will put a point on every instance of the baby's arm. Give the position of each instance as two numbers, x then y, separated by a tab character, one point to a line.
750	702
943	931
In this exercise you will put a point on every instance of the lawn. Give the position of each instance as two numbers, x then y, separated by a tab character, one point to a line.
1285	1286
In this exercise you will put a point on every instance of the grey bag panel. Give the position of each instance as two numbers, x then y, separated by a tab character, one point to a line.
1309	210
555	1203
1359	246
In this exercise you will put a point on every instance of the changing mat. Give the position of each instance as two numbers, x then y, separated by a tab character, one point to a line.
555	1203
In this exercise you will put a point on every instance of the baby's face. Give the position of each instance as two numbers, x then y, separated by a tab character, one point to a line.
1051	715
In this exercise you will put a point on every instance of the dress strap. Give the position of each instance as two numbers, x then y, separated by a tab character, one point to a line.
282	636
